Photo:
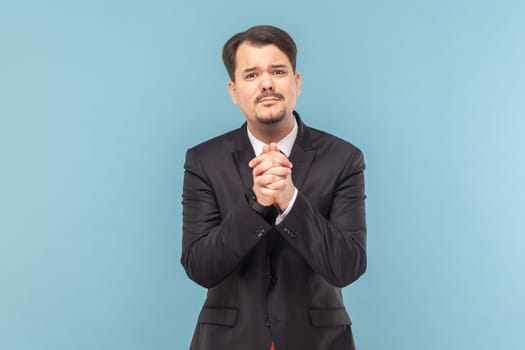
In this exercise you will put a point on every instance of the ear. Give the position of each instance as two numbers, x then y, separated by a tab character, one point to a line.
298	81
232	91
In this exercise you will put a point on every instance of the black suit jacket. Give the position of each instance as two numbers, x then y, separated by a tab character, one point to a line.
274	282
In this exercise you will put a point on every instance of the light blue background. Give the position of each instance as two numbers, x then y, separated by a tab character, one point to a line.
100	99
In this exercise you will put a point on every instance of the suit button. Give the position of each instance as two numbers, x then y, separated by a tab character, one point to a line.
290	232
268	323
260	232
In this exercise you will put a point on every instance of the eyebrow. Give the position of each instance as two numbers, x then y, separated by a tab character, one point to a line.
251	69
247	70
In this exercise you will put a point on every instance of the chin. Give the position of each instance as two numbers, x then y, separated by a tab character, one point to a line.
271	118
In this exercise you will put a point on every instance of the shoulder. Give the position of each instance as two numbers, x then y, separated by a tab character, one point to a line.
220	144
326	143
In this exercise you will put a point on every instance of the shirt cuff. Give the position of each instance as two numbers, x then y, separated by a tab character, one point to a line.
282	215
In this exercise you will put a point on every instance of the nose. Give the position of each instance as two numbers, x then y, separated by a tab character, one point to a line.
267	82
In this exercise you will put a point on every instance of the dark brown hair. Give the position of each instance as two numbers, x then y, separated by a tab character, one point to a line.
258	36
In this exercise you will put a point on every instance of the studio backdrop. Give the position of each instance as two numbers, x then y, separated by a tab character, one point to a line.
99	101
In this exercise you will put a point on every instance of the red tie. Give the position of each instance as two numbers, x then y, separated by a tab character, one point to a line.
272	347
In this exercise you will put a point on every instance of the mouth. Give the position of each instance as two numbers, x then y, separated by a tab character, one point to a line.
269	97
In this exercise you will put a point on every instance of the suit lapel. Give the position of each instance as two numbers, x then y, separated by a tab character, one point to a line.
302	154
301	161
242	155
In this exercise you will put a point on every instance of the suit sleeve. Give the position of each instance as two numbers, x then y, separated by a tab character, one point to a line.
334	246
214	243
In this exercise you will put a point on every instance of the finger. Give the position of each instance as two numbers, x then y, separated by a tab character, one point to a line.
276	157
256	160
279	171
276	185
265	161
268	193
267	180
262	167
279	158
273	147
261	157
253	163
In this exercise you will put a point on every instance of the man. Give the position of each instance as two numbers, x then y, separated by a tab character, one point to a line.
273	214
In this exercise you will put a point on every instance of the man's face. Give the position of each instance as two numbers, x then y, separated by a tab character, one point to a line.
265	87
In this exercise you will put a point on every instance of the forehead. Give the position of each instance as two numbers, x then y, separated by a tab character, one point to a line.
252	56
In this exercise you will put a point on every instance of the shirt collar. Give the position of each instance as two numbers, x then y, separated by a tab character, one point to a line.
285	144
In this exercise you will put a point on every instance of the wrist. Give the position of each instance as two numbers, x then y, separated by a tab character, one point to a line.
262	210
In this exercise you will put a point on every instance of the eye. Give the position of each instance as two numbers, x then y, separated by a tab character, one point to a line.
279	72
250	76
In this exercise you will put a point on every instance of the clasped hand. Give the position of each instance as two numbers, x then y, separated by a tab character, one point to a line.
272	177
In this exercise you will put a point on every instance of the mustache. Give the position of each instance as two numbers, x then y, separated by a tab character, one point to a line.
269	94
